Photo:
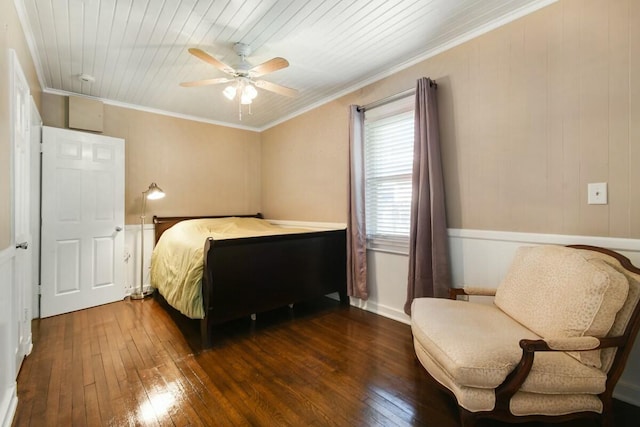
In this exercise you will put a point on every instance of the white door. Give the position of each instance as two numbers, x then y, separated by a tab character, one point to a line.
82	242
20	110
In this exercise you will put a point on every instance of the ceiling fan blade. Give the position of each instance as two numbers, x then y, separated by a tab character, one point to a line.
280	90
206	82
270	66
201	54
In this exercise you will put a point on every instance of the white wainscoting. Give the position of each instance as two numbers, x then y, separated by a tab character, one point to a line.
8	394
387	274
481	258
132	256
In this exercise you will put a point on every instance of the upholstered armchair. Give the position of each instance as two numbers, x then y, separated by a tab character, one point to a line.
550	348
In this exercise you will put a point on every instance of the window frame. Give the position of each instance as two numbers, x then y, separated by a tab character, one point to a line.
381	242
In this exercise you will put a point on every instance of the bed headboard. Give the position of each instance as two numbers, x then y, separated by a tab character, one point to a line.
163	223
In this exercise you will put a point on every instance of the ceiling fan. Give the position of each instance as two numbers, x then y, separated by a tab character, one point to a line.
243	76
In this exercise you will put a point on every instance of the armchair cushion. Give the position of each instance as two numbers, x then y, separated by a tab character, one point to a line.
523	403
624	315
558	292
478	345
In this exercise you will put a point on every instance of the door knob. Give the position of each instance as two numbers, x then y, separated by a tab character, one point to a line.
23	245
118	229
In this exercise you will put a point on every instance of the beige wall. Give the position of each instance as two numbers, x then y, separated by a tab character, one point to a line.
11	37
305	161
203	168
530	113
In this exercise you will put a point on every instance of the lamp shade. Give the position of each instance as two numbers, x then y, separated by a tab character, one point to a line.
154	192
229	92
250	91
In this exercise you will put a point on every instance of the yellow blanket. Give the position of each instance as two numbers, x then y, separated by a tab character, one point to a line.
177	261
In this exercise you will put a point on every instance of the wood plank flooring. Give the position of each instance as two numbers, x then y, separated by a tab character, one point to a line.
320	364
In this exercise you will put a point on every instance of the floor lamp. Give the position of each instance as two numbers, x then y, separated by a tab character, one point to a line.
152	193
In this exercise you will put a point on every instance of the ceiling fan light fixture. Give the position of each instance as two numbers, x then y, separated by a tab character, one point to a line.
245	99
229	92
250	91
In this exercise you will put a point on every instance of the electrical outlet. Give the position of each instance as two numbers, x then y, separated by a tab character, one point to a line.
597	193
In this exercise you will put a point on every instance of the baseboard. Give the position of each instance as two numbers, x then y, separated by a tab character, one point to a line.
8	407
28	345
146	288
373	307
627	392
382	310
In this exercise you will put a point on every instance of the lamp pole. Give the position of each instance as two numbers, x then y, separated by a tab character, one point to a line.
153	192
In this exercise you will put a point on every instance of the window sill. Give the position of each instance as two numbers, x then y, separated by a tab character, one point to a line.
397	248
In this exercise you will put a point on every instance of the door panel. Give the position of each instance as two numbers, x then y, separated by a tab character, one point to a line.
67	266
82	213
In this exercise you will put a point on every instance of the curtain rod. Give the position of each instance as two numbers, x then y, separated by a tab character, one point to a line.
386	100
390	98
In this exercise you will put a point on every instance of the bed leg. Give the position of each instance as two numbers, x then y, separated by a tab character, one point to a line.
344	298
205	337
253	316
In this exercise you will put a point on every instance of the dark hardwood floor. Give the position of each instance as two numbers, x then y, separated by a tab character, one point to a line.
128	363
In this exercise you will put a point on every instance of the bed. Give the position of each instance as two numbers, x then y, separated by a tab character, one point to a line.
242	276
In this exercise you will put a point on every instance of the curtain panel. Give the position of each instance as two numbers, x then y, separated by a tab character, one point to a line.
429	270
356	229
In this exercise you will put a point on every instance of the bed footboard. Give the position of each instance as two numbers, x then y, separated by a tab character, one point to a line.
255	274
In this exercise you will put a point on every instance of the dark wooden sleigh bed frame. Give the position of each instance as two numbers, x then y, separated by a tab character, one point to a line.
255	274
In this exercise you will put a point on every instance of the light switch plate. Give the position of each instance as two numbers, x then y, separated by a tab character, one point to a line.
597	193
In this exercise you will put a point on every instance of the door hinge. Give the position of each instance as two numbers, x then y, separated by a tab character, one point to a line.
39	289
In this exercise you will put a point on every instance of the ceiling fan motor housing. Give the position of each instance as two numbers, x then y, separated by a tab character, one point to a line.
242	49
243	67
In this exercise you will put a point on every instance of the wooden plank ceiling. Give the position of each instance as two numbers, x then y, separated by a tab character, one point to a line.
137	49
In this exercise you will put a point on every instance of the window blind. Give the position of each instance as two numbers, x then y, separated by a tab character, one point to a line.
388	168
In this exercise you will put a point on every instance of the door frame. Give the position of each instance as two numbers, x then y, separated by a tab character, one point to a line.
20	218
36	197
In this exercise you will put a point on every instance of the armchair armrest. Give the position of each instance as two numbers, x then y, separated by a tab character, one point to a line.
471	290
516	378
570	344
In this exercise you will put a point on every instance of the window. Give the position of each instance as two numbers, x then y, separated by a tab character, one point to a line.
388	167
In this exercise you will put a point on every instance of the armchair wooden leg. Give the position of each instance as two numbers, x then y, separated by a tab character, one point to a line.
467	419
606	419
